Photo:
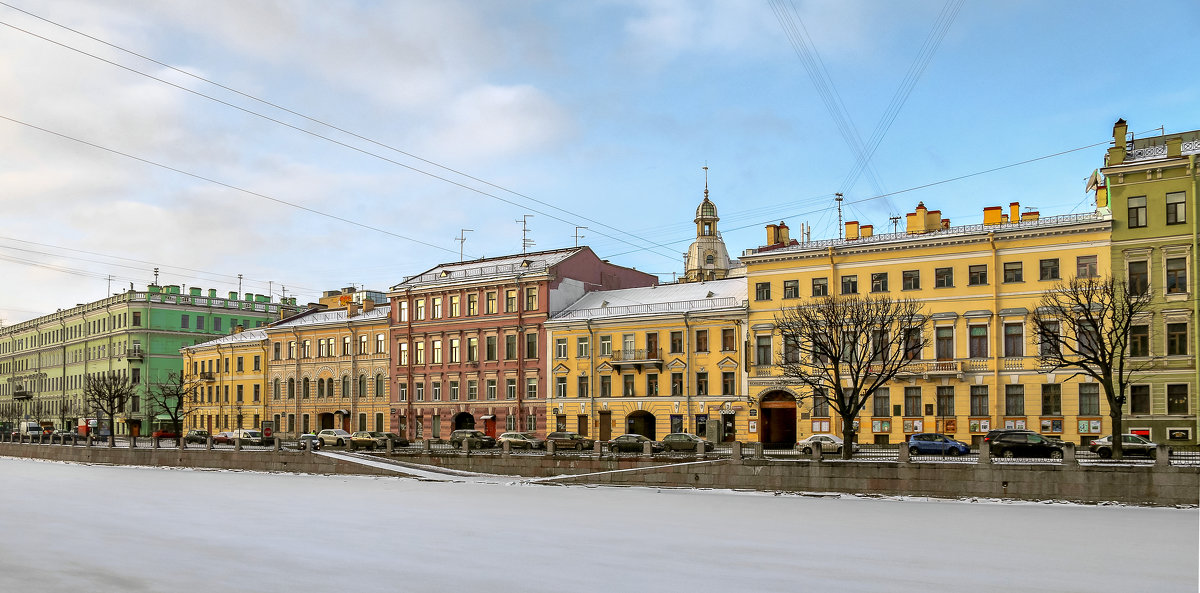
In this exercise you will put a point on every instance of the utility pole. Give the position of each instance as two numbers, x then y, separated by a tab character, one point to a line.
462	238
577	235
838	199
156	276
526	242
108	287
895	221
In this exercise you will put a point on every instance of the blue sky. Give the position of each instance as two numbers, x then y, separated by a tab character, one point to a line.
606	110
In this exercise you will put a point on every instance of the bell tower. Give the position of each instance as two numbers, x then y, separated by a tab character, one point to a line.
706	258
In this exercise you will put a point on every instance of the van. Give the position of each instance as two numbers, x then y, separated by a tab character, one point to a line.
30	428
252	437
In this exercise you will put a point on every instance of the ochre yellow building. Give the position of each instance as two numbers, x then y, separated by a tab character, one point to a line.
230	378
979	285
652	361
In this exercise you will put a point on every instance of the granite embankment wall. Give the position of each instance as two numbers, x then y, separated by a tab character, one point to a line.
1144	484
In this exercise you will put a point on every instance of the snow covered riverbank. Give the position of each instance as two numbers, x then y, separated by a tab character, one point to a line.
66	527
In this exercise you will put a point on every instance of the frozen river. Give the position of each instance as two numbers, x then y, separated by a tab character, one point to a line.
97	528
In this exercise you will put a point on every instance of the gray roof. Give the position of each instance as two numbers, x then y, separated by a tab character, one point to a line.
334	316
250	335
497	267
664	298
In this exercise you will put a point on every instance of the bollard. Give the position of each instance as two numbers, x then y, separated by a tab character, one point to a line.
132	442
426	446
648	448
985	452
598	448
1162	456
87	442
505	448
1068	453
550	448
237	444
466	446
181	443
736	454
41	438
902	454
817	451
700	449
154	442
277	445
208	444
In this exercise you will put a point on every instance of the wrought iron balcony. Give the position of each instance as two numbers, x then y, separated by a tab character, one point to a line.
135	354
637	358
207	377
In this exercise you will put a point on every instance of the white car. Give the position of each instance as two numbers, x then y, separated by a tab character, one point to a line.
333	436
829	444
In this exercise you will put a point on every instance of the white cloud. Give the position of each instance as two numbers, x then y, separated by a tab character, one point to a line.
499	121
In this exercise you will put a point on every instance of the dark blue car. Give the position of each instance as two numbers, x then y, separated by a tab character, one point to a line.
932	443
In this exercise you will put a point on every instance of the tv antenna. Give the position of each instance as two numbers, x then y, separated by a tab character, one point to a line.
462	238
838	198
526	242
577	235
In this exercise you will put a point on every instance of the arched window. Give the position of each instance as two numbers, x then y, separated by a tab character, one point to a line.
709	259
305	389
345	385
275	393
329	386
379	390
291	389
320	388
362	385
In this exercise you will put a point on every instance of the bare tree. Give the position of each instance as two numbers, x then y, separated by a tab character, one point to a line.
1083	326
844	348
67	409
174	398
107	393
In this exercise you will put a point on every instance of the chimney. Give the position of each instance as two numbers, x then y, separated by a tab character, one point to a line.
772	234
1014	212
1116	154
368	305
866	230
351	309
851	230
992	215
1032	215
783	233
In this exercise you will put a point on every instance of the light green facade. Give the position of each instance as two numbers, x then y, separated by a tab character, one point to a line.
1151	186
43	361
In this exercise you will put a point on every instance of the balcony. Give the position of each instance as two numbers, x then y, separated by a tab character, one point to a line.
934	368
134	354
976	365
207	377
637	358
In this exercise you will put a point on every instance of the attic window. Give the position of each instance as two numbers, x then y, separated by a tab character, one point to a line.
604	304
709	295
526	263
445	273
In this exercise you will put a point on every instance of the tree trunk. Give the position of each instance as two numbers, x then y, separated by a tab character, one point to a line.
849	437
1117	441
112	431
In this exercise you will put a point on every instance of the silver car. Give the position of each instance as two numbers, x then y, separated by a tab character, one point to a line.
829	444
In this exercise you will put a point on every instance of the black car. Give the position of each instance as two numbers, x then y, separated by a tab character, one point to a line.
397	440
1026	444
196	435
992	434
570	440
476	438
633	443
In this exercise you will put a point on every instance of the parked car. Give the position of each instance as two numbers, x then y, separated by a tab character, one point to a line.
397	440
1026	444
164	433
333	436
477	439
196	435
363	439
1131	444
932	443
682	441
223	438
520	440
308	442
829	443
992	434
570	440
252	437
633	443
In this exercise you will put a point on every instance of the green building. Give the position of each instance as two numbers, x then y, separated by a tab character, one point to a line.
1151	186
43	361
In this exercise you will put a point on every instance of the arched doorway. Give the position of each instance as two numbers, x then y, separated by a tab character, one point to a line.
325	420
640	422
464	421
778	410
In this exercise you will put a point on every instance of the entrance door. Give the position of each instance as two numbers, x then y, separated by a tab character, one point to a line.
346	423
641	422
778	423
465	421
582	425
728	428
489	426
605	425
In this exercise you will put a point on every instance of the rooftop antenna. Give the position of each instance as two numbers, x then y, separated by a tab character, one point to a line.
577	235
239	284
108	287
838	199
526	242
895	221
462	238
270	289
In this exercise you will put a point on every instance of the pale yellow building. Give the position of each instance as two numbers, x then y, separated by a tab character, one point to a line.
230	378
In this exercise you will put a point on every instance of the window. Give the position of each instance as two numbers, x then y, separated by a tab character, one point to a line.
881	403
472	304
943	277
419	392
241	367
403	310
977	275
490	387
1048	346
820	404
676	342
1137	212
728	340
306	349
945	400
531	300
1176	275
911	279
1085	266
560	347
362	344
489	351
1177	339
510	389
791	348
912	401
137	319
605	386
531	388
944	343
1139	340
762	291
472	349
277	351
510	301
1048	269
403	353
1139	399
402	392
200	323
879	282
582	348
1137	277
306	388
1089	399
1014	344
728	383
472	390
912	343
676	383
381	391
531	345
346	346
184	321
291	389
820	287
454	306
978	341
627	385
275	389
1176	208
435	355
581	389
510	347
651	384
419	309
560	387
436	305
1014	400
979	400
489	303
762	350
1177	399
454	350
791	289
850	284
1014	272
701	383
701	340
1051	399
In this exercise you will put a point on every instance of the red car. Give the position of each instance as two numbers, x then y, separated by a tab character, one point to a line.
165	434
223	438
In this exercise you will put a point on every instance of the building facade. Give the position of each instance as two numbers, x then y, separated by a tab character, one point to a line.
44	361
978	284
652	361
1151	184
469	345
228	381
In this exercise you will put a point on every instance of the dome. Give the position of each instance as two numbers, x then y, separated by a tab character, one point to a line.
706	209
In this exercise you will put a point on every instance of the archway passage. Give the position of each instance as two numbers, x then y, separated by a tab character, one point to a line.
778	410
464	421
640	422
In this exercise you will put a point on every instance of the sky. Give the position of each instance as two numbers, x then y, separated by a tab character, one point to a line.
291	532
310	146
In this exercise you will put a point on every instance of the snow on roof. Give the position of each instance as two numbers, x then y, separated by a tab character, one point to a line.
250	335
334	316
664	298
497	267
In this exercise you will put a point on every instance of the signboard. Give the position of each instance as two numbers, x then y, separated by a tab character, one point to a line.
268	428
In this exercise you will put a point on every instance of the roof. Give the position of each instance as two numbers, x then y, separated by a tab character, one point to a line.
496	267
250	335
664	298
333	316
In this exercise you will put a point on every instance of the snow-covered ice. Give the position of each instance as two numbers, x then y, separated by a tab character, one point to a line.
69	527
